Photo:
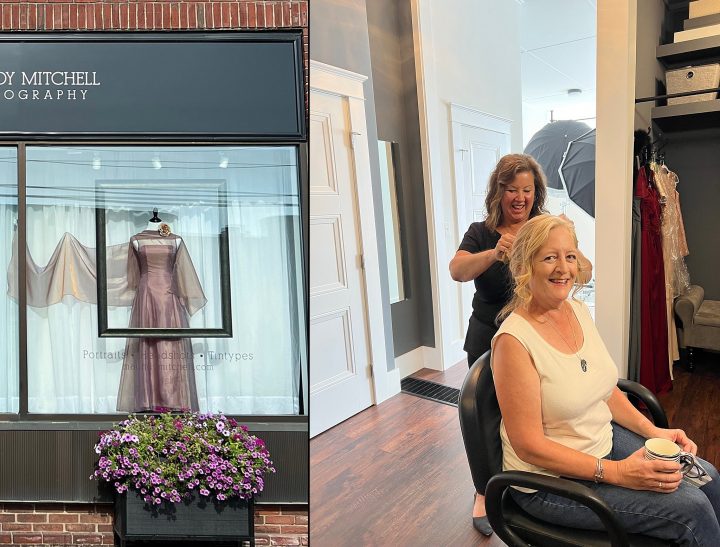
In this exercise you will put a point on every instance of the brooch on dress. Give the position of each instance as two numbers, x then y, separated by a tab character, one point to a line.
164	229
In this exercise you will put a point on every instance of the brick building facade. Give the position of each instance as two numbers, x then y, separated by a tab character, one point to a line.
81	524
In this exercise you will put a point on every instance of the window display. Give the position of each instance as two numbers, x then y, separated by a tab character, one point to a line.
209	239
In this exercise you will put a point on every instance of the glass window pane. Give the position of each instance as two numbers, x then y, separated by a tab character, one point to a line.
168	280
9	382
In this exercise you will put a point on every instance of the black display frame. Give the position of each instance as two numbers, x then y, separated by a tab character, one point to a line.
104	330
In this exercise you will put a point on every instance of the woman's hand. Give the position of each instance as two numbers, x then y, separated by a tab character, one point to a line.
503	247
637	473
677	436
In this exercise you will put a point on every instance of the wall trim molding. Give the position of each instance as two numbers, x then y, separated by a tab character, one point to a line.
466	115
336	80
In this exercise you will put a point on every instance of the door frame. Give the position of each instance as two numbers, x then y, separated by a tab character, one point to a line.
465	116
350	86
461	116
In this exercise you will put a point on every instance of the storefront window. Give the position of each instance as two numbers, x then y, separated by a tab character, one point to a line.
9	384
203	238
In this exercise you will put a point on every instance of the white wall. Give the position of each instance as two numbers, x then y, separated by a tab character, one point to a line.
469	54
616	34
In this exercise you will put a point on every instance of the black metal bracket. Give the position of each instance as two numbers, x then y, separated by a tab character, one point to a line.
674	95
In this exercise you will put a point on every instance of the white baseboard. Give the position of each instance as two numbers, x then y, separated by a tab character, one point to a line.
421	357
410	362
389	386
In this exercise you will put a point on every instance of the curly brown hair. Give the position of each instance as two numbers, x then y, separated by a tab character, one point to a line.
504	173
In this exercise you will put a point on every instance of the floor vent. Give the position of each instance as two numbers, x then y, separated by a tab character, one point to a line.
430	390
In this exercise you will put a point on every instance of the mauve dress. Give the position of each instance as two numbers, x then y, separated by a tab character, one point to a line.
157	372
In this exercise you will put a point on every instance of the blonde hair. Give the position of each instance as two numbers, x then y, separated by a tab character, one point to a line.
504	173
531	237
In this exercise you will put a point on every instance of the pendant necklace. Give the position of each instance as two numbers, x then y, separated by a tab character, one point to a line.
583	362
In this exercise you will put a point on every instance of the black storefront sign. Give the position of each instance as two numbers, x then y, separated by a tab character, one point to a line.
241	85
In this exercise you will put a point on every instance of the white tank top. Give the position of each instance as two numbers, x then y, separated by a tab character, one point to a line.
574	403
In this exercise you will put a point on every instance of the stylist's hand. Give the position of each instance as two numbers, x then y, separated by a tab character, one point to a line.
637	473
679	437
503	247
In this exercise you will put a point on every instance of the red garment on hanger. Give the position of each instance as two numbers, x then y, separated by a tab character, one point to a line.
654	372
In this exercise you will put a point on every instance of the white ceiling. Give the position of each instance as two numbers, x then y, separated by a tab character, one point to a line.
558	45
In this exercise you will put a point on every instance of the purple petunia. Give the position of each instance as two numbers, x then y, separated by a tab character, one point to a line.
166	457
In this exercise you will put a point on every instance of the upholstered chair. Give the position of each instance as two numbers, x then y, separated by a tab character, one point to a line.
698	322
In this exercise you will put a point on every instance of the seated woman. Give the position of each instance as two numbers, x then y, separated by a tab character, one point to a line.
563	415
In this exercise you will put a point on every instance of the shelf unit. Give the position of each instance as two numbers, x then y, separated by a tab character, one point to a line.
683	117
688	116
680	54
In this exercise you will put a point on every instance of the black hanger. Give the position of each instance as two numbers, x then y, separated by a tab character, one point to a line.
155	218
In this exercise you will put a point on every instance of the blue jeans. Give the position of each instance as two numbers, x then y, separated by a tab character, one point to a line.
688	516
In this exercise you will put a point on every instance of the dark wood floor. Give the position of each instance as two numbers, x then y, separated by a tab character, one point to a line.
396	474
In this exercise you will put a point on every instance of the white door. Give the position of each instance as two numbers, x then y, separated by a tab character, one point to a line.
477	151
340	372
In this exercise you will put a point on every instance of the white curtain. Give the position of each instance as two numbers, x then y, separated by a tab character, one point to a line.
9	379
257	371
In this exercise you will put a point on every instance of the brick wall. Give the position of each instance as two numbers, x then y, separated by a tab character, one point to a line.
87	524
161	15
281	525
55	524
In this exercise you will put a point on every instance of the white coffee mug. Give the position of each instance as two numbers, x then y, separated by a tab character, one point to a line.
665	450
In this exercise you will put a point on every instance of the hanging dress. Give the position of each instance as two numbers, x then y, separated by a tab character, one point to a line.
654	371
675	250
159	372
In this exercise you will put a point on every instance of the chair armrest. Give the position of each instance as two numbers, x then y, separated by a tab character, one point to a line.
642	393
687	304
566	488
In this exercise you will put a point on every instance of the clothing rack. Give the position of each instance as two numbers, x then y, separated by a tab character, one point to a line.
650	152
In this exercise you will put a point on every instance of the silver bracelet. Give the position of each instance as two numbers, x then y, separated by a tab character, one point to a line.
599	471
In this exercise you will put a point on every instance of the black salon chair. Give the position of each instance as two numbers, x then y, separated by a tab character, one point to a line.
480	425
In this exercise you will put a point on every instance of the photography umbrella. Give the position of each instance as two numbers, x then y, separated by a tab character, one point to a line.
549	145
577	171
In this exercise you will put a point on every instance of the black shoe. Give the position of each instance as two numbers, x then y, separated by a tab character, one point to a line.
482	524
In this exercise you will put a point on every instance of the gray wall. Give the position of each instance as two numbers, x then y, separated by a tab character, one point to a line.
650	18
396	106
694	157
340	38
